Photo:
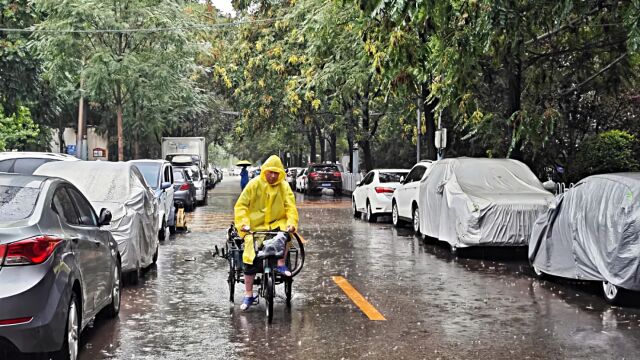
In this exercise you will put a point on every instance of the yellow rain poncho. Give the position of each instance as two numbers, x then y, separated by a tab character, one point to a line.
263	206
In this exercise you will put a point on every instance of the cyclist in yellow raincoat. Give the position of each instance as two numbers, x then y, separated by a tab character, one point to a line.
266	203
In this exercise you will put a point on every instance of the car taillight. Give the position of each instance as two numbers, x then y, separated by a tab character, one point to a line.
337	174
16	321
382	190
31	251
3	250
184	186
313	175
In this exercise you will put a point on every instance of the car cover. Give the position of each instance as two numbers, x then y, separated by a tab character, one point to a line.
593	232
120	188
478	201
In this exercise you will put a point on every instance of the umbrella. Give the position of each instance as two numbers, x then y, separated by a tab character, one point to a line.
243	163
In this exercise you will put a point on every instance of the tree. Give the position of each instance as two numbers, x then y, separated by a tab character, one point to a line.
17	131
120	52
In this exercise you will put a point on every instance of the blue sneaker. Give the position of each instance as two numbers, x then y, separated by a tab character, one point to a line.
284	270
247	301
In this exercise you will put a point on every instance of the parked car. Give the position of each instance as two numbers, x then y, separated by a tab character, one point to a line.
404	201
214	177
292	174
159	177
198	182
301	181
592	234
59	266
236	171
184	195
478	201
120	188
27	162
324	176
373	194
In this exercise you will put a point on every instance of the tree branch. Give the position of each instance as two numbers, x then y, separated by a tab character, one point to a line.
568	91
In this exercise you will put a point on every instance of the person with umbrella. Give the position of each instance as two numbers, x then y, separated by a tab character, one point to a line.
244	174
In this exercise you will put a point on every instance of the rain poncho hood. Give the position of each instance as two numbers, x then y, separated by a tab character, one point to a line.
263	206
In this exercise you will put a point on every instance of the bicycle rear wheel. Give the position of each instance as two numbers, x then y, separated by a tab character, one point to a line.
232	278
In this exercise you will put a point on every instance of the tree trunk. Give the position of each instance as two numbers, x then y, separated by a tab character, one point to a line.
334	145
311	136
350	142
322	144
428	111
514	92
119	125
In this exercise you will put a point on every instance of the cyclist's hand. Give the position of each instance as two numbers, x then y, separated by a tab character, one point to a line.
245	228
291	229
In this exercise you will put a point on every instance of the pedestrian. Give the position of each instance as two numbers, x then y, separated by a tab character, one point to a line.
266	204
244	177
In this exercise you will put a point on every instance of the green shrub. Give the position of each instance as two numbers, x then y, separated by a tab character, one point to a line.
18	130
607	152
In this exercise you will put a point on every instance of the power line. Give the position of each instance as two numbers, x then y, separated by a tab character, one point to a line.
140	30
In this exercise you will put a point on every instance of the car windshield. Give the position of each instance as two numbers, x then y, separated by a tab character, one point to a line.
324	168
151	173
178	177
17	203
391	177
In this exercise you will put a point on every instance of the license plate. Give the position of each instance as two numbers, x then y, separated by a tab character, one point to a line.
326	185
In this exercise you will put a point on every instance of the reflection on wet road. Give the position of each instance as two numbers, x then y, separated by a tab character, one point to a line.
436	306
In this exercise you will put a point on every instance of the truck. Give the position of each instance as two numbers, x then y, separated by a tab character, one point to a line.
196	147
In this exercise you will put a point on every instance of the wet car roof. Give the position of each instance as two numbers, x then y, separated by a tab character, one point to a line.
28	181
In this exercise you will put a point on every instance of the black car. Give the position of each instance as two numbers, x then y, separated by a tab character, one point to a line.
324	176
184	192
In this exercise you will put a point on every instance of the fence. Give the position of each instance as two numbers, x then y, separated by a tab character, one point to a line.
349	182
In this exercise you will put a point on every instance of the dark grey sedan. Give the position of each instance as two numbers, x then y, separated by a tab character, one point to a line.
58	268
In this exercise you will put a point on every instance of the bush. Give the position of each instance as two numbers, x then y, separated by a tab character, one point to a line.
607	152
18	130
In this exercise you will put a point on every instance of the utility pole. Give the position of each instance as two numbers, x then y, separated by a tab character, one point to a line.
419	126
80	118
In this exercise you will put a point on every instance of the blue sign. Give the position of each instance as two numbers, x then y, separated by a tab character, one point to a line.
71	149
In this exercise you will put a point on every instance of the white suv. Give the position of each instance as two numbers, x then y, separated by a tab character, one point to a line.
404	203
159	177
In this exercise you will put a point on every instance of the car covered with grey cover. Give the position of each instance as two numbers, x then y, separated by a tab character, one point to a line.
592	233
120	188
481	202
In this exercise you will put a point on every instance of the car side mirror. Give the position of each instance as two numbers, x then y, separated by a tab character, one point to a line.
402	179
165	185
105	217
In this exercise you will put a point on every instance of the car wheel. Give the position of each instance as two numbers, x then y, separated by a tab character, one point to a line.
70	342
395	217
172	230
134	276
416	220
536	270
155	255
611	292
162	234
356	213
371	217
206	199
114	307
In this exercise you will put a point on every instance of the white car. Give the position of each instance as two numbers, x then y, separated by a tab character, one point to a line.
27	162
405	199
301	181
373	194
292	175
236	171
159	177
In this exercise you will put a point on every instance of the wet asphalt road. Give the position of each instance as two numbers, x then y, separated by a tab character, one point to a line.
436	306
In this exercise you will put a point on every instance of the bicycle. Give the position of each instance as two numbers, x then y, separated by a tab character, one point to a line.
268	278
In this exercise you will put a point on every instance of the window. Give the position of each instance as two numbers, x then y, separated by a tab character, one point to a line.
87	216
28	165
151	172
368	179
178	176
324	168
16	202
6	165
416	174
63	205
167	175
390	177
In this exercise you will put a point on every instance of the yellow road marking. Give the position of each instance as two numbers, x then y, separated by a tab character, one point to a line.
358	299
